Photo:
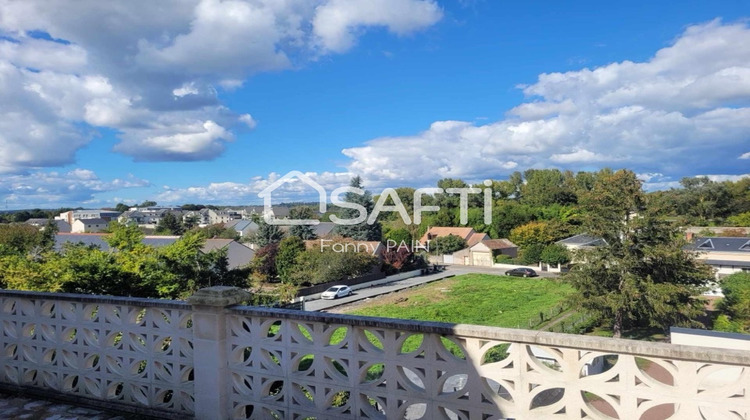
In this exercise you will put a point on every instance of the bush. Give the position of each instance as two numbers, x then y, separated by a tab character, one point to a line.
315	266
723	323
503	259
447	245
736	302
555	254
532	254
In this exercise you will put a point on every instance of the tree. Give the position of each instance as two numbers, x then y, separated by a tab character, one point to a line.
642	276
286	259
263	264
704	200
538	232
315	266
189	268
48	234
742	219
361	231
169	224
20	239
532	253
507	215
147	203
124	237
544	187
397	259
267	234
447	244
555	254
122	207
218	231
398	237
304	232
190	222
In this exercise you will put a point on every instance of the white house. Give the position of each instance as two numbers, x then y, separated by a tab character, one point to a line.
89	225
728	255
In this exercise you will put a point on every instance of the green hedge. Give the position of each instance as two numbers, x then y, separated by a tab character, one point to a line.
736	302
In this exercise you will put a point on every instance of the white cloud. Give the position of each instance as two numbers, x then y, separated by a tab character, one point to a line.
722	178
581	156
248	120
745	155
337	22
194	141
666	114
235	192
48	189
147	69
646	177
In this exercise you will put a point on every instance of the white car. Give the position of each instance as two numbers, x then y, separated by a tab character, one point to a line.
336	292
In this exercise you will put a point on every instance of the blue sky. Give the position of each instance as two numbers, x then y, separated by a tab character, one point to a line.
209	101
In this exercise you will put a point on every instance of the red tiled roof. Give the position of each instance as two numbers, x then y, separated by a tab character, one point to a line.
466	233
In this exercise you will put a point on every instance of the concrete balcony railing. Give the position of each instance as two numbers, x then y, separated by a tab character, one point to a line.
211	359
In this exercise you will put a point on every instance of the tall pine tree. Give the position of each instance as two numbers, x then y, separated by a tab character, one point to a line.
642	276
361	231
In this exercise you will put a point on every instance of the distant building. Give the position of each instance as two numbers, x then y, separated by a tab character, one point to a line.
89	225
73	215
238	255
279	212
484	253
148	217
728	255
243	227
222	216
200	217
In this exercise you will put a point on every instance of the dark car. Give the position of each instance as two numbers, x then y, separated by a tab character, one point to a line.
521	272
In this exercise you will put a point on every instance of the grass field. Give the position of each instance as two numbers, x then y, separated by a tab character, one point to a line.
479	299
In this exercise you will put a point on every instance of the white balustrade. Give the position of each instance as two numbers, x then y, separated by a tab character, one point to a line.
131	352
260	363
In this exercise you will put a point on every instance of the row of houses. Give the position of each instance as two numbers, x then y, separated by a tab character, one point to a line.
96	220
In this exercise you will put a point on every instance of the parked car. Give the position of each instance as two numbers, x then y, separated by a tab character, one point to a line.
521	272
336	292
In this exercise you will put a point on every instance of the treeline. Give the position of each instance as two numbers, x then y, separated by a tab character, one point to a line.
537	207
21	216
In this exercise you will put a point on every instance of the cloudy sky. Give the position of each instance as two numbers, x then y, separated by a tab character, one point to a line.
210	101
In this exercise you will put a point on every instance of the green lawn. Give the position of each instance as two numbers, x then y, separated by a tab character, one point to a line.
479	299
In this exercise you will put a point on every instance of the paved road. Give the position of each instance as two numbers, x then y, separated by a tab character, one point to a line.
369	292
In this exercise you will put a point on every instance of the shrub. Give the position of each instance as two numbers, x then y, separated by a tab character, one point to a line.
555	254
315	266
447	245
532	253
503	259
736	302
723	323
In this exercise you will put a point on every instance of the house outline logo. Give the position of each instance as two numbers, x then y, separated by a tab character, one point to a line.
265	194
